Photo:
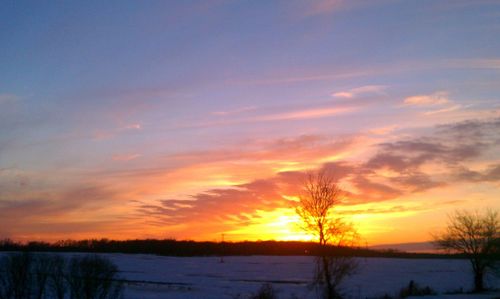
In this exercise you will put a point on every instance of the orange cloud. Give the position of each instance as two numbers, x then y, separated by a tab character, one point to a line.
239	205
231	189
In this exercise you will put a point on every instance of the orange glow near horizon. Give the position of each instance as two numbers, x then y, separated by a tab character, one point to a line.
279	225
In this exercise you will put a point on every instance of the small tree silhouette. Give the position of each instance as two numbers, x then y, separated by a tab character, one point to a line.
477	236
16	280
93	277
57	277
320	196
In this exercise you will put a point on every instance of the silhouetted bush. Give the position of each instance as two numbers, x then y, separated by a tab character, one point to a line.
93	277
413	289
266	291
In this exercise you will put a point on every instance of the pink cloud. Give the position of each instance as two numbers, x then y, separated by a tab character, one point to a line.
305	114
235	111
358	91
323	6
383	130
444	110
437	98
134	126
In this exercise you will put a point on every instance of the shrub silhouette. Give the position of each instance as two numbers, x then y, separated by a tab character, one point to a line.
93	277
413	289
266	291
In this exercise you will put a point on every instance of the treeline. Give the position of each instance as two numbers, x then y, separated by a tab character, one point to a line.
171	247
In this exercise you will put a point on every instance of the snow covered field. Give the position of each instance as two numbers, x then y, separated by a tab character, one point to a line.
206	277
155	277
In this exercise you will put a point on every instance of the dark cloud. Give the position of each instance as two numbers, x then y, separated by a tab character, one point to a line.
417	181
449	148
490	174
370	191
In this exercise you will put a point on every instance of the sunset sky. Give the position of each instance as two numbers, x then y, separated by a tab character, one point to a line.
192	119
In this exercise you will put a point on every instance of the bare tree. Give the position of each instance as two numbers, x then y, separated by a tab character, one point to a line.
477	236
93	276
57	279
320	196
16	281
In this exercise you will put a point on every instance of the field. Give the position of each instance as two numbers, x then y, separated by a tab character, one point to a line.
238	277
206	277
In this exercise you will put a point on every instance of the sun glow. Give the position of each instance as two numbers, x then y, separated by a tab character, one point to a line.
372	222
280	224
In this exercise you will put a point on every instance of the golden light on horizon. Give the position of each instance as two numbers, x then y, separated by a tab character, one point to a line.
281	224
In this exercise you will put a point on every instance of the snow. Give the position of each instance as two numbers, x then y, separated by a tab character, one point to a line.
155	277
206	277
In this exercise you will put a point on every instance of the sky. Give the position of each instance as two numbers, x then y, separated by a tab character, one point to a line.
193	119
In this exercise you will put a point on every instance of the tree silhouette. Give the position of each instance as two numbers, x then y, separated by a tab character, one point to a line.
477	236
320	196
93	276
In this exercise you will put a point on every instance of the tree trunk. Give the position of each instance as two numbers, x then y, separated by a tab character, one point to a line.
478	281
330	294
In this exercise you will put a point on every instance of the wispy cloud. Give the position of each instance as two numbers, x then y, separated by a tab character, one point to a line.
134	126
320	111
304	114
436	98
235	111
397	67
474	63
323	7
358	91
383	130
443	110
